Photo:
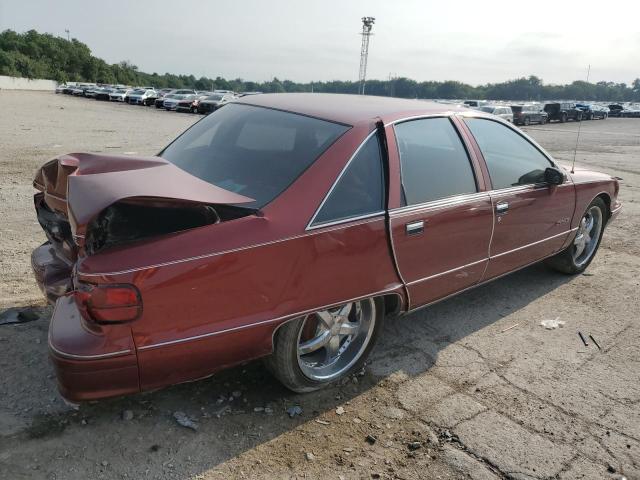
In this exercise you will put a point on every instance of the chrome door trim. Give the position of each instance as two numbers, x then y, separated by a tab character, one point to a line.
430	277
533	243
418	117
310	225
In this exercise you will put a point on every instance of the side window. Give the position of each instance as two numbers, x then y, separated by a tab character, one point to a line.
433	161
360	188
510	158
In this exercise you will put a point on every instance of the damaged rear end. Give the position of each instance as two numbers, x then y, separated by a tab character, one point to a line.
89	204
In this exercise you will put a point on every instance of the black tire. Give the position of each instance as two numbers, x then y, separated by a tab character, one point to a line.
543	120
564	261
563	118
527	121
283	362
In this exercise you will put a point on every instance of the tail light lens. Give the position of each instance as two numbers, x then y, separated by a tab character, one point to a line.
115	303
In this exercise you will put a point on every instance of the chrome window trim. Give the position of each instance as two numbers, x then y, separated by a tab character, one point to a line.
266	322
344	220
418	117
310	225
440	203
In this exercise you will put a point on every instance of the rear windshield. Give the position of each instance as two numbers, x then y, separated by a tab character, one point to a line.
486	109
256	152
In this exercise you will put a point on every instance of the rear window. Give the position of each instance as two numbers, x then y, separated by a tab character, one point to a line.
256	152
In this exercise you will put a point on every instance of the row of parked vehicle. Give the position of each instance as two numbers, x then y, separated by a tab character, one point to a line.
180	100
526	114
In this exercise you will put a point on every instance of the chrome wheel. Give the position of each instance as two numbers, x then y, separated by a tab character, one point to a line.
588	236
331	341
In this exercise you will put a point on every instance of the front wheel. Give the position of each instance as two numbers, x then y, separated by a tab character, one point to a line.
577	256
320	348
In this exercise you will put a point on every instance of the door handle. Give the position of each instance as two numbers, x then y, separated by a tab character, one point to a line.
414	228
502	207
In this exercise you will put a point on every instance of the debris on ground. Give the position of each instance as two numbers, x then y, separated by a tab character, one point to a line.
294	411
371	439
552	324
509	328
17	315
127	415
184	421
310	456
322	422
414	445
340	411
594	342
586	344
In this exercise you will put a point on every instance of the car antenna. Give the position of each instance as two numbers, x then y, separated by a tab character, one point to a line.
575	150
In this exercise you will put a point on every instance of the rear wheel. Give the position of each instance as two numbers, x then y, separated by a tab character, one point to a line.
563	118
313	351
577	256
527	121
543	120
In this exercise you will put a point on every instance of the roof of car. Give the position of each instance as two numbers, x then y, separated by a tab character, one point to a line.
349	109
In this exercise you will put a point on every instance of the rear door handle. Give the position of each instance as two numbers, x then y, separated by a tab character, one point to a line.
502	207
414	228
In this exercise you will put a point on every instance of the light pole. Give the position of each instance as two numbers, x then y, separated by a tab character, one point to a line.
68	37
367	25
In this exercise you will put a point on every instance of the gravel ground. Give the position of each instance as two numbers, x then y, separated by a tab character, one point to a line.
472	387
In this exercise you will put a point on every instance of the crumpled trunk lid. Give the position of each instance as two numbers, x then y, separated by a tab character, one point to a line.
87	202
81	185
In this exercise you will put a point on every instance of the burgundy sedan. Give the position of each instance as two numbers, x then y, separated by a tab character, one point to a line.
286	226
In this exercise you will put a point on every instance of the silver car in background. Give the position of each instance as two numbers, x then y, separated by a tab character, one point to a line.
502	111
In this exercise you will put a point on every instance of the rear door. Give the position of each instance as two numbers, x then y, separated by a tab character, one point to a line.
441	231
532	218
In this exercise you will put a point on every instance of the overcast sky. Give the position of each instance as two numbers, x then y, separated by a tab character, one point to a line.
474	41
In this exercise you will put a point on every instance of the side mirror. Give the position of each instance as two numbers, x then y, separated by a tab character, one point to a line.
554	176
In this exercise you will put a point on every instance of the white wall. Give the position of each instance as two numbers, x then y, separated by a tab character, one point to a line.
16	83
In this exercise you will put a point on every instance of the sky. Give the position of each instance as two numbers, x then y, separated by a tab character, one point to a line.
475	42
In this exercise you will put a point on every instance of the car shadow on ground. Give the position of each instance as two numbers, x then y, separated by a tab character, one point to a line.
244	407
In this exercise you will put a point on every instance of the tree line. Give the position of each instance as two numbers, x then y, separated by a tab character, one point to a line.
42	55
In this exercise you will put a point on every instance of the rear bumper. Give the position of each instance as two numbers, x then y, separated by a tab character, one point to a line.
52	272
90	362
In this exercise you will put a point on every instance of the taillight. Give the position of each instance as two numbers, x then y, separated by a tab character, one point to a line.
115	303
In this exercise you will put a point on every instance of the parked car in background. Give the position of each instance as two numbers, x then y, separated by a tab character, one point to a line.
474	103
615	110
119	94
501	111
163	91
247	219
159	103
68	89
590	111
104	93
60	88
528	114
212	102
244	94
141	96
632	111
171	101
190	104
563	112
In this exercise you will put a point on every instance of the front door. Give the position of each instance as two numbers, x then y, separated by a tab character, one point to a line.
532	218
441	233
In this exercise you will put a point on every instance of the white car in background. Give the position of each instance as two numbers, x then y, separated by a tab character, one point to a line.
502	111
119	94
171	100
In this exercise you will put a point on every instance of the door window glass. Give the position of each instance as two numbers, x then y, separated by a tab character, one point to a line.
433	161
511	159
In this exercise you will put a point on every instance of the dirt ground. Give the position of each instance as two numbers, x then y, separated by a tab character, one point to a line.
472	387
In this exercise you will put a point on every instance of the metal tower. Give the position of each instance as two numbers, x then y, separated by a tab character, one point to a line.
367	25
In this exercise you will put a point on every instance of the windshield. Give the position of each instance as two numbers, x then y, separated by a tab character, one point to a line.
256	152
486	109
214	97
